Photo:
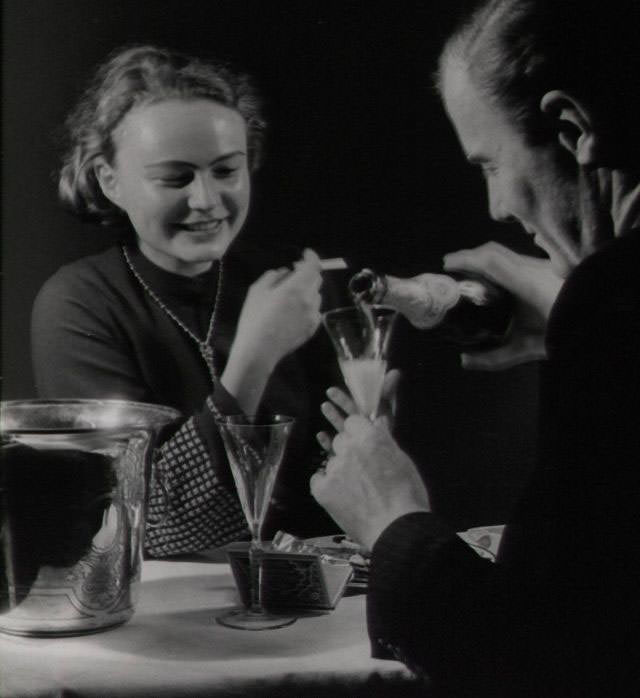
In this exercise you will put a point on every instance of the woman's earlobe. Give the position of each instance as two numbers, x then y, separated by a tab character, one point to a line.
107	180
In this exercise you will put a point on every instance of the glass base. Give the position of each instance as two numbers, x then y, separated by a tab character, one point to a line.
244	619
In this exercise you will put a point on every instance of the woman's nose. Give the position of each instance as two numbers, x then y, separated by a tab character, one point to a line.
204	193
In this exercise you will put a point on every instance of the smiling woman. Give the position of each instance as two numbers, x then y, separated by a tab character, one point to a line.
185	192
182	313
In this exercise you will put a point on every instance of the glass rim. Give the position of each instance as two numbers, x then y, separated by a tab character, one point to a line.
141	415
355	308
255	420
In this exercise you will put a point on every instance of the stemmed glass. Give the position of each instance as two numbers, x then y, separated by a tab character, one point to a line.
255	447
360	335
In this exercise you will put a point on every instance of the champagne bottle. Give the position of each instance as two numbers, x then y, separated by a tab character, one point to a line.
469	311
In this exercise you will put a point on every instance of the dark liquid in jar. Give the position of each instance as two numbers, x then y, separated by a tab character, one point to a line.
52	503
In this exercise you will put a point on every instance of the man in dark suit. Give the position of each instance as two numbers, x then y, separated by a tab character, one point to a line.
542	95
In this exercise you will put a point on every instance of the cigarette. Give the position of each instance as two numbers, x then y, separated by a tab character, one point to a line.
332	264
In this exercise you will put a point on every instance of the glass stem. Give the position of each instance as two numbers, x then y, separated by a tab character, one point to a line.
255	577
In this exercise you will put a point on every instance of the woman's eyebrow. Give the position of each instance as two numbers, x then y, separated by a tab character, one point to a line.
182	163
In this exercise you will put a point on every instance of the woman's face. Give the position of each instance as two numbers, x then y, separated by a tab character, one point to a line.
180	172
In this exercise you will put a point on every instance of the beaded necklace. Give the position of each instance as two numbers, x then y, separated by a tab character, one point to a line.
204	345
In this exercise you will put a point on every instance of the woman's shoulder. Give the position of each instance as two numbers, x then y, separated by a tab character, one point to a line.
88	283
101	270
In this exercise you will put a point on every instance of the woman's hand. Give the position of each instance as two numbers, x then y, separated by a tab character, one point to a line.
369	481
282	309
342	405
280	313
535	287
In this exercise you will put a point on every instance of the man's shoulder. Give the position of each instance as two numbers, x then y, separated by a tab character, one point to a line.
601	297
611	263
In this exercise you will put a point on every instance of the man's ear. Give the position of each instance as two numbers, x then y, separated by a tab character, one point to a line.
108	180
574	126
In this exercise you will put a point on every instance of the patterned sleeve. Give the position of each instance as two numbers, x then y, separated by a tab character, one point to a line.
190	506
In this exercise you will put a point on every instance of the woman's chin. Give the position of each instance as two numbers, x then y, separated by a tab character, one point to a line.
205	249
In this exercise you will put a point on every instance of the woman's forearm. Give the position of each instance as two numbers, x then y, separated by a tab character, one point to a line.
245	377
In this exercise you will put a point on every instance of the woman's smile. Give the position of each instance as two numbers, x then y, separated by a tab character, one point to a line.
207	228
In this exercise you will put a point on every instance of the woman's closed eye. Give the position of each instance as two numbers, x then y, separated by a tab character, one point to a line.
171	176
225	172
175	181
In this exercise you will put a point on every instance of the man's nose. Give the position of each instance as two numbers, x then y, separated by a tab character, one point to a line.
204	193
497	209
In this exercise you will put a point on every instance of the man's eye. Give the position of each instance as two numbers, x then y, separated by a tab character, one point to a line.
488	171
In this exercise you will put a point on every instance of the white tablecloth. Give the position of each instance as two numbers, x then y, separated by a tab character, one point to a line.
173	647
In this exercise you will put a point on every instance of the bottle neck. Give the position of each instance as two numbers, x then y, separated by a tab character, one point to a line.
368	287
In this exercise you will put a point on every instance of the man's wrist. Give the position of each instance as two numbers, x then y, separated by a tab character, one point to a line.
380	524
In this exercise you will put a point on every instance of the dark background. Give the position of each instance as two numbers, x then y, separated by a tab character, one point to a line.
361	162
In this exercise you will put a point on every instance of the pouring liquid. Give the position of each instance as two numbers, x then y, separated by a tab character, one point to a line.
365	376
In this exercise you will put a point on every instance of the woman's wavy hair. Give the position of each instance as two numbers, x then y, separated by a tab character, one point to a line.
517	50
137	75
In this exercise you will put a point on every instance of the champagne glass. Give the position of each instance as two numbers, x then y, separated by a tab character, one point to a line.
360	335
255	447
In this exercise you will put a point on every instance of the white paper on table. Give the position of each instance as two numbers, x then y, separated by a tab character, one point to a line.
485	540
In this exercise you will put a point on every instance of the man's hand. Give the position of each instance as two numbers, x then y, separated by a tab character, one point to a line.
369	481
535	287
342	405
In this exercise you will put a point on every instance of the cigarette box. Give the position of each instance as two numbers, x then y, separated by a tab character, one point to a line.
291	580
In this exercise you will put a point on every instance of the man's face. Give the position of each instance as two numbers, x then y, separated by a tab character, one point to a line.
524	183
